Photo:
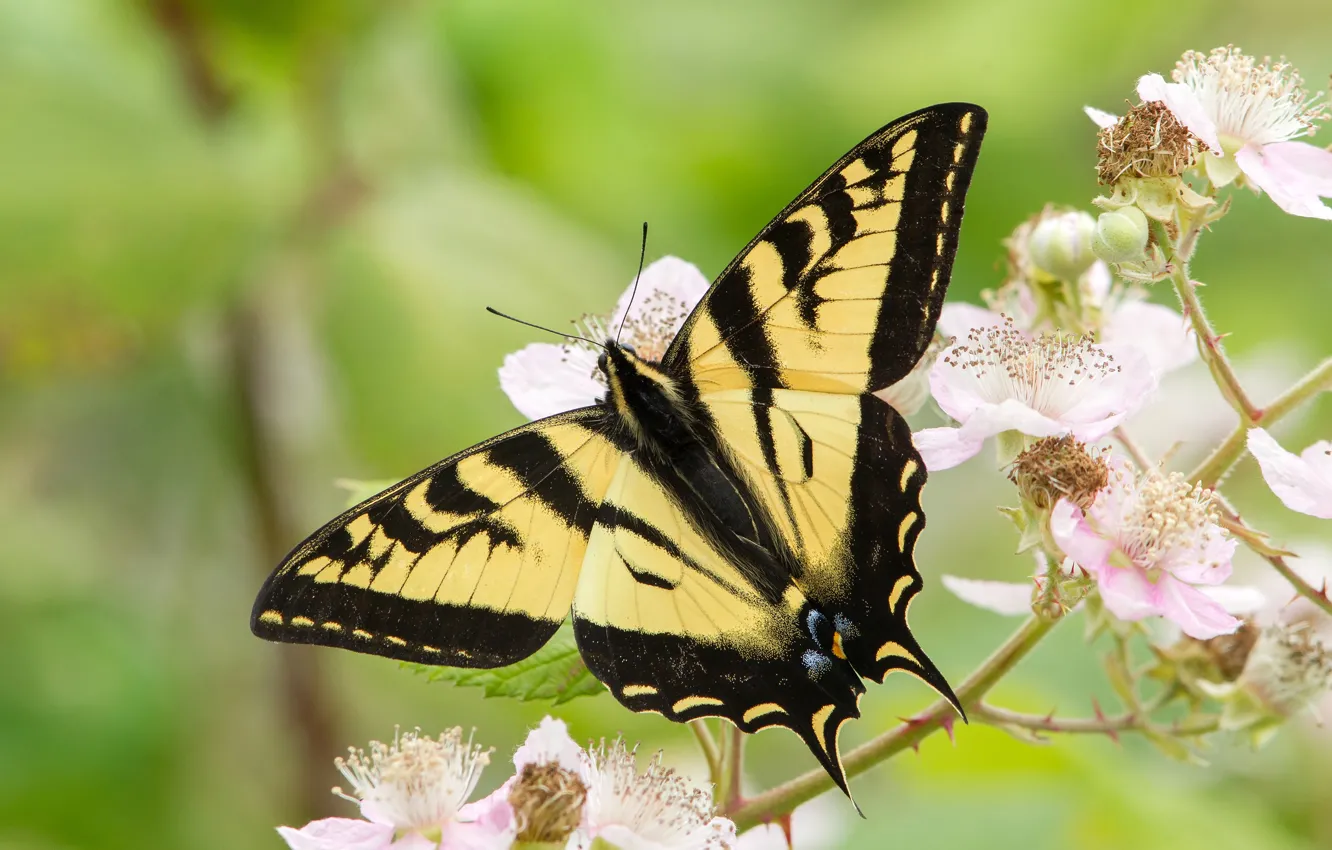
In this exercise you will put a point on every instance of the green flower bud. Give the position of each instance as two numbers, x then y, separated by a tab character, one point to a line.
1121	235
1061	244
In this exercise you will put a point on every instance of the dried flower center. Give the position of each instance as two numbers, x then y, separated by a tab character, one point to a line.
547	802
1255	102
1149	141
658	804
1289	668
415	783
1045	372
1059	467
1231	652
1167	513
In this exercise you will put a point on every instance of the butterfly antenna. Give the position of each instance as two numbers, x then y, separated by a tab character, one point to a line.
642	254
543	328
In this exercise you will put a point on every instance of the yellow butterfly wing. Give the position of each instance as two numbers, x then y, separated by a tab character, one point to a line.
472	562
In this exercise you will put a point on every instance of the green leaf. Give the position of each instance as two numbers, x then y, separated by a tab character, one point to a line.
555	672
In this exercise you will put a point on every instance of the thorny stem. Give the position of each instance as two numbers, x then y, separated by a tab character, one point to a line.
1224	456
1318	596
784	798
1130	721
711	753
1209	341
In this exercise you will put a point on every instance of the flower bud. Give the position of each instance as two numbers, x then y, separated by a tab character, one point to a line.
1121	235
1061	244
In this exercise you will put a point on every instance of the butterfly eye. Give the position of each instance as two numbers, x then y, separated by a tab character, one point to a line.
603	363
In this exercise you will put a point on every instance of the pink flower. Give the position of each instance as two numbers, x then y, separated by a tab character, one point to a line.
544	378
1149	541
1247	113
413	791
1304	481
1000	379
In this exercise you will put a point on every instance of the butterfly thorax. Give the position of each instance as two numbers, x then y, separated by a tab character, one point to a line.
647	401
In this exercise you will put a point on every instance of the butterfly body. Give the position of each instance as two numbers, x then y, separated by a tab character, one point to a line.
730	528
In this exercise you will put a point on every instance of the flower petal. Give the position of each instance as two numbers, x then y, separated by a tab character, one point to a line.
958	318
549	743
1104	400
944	448
338	834
544	379
1312	163
1206	560
1127	593
1181	101
671	276
1010	415
1197	615
1077	539
1101	118
1162	335
1302	485
1002	597
1236	598
1288	187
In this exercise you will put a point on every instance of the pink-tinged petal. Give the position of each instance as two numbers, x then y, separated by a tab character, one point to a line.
1236	599
1162	335
544	379
549	743
1184	104
958	318
1127	593
1001	597
338	834
1309	164
417	841
474	836
1010	415
1077	539
1096	282
944	448
1302	485
1289	189
1208	561
670	276
958	392
1117	394
1196	614
1101	118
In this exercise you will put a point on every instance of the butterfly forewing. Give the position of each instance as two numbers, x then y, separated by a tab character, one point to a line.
471	563
841	291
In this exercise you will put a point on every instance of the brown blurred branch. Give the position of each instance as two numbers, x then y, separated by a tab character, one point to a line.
178	23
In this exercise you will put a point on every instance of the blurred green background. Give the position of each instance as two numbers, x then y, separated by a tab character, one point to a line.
244	249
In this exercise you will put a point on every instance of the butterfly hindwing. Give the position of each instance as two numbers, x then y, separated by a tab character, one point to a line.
472	562
841	291
674	624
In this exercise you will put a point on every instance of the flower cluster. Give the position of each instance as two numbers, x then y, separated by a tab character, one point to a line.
413	796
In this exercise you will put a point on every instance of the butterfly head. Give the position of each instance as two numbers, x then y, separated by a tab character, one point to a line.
639	390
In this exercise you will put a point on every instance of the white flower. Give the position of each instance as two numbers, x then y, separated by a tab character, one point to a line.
1304	481
414	791
657	809
544	378
1149	541
1000	379
1248	113
1009	598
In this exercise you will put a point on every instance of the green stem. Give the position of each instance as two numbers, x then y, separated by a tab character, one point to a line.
784	798
1224	456
1132	721
711	753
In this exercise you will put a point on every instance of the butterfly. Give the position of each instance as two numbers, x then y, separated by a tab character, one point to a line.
731	527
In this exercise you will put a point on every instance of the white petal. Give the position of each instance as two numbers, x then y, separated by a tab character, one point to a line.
544	379
958	318
671	276
1236	599
1119	393
1002	597
1100	117
1096	283
1010	415
944	448
1289	188
1161	334
1185	106
338	834
1302	485
549	743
